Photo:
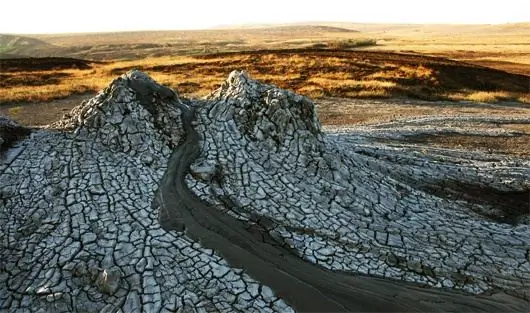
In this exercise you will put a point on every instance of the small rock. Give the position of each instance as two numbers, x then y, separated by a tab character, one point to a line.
108	280
203	171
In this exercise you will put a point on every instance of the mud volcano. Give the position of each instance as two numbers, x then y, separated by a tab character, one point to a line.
143	201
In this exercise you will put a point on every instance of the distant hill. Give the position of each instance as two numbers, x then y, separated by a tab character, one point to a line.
394	29
297	28
495	42
436	29
138	44
11	56
16	45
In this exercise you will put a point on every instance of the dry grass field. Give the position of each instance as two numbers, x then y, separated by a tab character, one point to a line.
314	72
486	65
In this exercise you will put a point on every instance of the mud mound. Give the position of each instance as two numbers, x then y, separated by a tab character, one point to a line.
141	200
133	115
265	113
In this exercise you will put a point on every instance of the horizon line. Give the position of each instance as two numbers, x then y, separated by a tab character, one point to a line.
224	27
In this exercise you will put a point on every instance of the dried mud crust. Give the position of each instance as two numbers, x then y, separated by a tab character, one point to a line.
297	151
494	136
142	201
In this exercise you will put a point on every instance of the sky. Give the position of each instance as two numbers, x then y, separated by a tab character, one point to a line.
56	16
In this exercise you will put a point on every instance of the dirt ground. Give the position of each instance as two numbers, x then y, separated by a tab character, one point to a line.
42	113
513	137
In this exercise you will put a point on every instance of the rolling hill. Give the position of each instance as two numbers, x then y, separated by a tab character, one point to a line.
20	46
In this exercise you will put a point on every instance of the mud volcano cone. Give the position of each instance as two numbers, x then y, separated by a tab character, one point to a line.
144	201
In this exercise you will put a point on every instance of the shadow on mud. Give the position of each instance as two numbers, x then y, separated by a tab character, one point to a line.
506	206
11	133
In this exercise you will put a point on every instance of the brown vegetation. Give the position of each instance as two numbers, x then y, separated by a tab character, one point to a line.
43	64
313	72
321	61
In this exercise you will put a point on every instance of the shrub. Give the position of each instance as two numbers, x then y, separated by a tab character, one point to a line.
352	43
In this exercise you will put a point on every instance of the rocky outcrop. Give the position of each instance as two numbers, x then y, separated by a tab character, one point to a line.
142	201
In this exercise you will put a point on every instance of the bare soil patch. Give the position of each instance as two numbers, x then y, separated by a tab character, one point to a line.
40	114
518	145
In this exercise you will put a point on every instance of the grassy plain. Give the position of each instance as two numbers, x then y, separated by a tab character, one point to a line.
488	65
314	72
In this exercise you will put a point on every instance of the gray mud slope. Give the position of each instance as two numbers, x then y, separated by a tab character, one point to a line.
144	201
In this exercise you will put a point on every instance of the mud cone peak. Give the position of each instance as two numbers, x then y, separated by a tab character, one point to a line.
128	114
265	112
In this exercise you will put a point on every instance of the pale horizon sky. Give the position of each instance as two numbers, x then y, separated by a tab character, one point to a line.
56	16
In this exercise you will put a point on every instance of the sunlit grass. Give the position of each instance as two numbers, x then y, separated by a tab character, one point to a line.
311	75
491	96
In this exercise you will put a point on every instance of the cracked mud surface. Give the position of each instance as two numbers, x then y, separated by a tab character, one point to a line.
145	201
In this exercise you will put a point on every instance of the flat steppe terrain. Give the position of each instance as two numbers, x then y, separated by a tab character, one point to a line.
357	73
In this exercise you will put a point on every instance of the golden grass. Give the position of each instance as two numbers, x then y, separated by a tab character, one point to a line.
491	96
79	81
313	74
162	55
480	44
394	72
525	98
313	91
14	111
352	88
503	47
369	94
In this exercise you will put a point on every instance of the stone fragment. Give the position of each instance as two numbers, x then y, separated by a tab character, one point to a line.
204	171
108	280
